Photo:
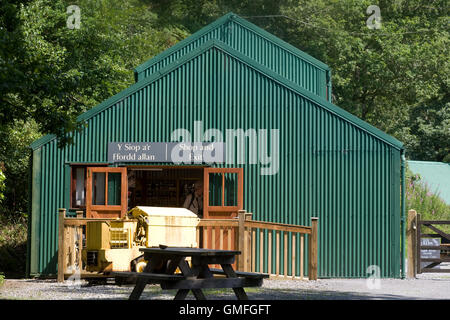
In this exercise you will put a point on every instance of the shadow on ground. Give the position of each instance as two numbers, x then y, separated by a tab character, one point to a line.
113	292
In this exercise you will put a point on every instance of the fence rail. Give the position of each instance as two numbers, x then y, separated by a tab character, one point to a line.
70	239
415	247
241	233
249	237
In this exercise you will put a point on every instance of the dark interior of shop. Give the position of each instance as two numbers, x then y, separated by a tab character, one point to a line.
161	187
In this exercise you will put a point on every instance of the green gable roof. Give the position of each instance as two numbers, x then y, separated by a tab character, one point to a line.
435	174
255	43
250	63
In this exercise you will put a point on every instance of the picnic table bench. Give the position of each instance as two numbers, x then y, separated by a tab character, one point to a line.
193	278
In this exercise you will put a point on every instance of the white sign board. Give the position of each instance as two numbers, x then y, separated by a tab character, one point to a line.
175	152
429	253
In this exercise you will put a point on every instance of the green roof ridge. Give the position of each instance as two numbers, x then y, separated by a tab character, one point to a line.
222	20
251	63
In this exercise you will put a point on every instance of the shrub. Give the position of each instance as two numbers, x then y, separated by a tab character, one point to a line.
427	203
13	246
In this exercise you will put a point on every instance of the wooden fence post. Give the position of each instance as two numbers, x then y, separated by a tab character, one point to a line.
418	236
248	244
312	261
61	217
411	235
241	240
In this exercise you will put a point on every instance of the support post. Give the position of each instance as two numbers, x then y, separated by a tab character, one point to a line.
412	242
241	240
248	243
61	217
312	261
80	214
403	214
418	235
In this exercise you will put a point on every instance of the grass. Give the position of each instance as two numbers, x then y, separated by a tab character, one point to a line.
13	246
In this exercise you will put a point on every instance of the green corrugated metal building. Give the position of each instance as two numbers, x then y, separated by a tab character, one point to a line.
233	75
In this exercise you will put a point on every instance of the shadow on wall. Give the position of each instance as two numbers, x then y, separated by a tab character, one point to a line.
52	267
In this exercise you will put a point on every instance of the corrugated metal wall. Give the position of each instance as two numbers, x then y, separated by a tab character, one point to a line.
256	44
329	167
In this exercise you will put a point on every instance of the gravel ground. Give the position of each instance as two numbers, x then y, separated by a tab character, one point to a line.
426	286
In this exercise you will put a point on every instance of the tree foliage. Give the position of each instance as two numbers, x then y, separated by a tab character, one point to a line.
15	157
51	73
395	77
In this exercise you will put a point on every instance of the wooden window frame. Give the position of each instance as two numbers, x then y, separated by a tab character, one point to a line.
223	208
73	182
94	211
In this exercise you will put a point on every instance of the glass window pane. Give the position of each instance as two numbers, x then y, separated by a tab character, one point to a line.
80	191
98	188
114	188
215	189
231	189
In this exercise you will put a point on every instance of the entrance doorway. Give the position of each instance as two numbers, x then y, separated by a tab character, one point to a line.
112	191
161	186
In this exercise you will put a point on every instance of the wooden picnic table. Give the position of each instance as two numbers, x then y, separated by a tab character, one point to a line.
162	264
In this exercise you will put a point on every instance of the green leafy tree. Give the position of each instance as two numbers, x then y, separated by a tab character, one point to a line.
51	73
428	134
384	76
394	77
14	155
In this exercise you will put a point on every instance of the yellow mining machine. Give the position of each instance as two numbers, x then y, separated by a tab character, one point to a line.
114	245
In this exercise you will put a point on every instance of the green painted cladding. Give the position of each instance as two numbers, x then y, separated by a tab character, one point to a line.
345	172
256	44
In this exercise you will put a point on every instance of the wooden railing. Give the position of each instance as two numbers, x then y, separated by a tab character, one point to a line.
242	234
70	239
254	239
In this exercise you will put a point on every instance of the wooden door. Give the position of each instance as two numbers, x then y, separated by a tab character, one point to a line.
222	198
106	192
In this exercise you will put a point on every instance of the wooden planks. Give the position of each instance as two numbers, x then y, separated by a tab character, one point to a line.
412	240
242	274
278	227
293	259
283	256
61	245
312	267
302	254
